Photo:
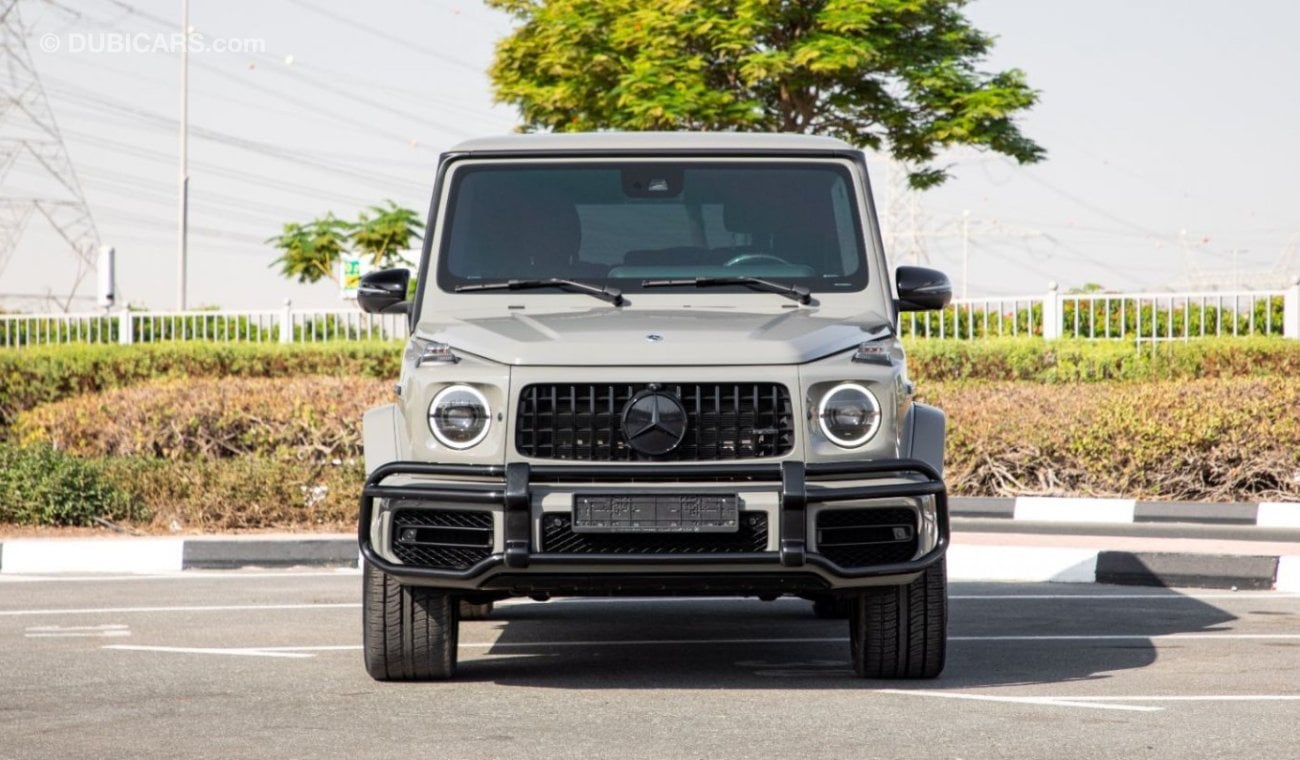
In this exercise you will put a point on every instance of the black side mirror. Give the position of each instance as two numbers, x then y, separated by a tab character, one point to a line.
384	292
921	289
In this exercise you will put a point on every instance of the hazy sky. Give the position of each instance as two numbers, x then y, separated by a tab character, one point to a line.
1170	127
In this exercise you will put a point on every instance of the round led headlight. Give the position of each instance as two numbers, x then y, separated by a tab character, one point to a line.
849	415
459	417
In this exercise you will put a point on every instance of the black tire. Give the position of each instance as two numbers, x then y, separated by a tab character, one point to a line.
471	611
833	607
409	633
902	631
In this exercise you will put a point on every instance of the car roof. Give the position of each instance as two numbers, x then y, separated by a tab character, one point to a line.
634	142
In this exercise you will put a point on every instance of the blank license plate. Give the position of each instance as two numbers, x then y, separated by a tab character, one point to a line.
655	513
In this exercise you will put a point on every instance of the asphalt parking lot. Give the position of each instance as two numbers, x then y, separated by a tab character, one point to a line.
262	665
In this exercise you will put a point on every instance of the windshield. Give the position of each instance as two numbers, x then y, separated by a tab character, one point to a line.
621	224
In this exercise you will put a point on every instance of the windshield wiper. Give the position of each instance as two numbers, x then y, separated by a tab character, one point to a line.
613	295
800	294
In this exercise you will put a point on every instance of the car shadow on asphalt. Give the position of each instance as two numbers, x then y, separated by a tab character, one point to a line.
1039	638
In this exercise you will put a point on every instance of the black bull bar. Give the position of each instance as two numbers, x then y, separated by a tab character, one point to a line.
509	486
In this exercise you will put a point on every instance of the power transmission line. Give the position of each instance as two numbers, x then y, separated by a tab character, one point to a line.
383	35
29	134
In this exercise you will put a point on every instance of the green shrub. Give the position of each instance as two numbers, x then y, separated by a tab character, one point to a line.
34	376
306	419
245	493
1222	439
42	486
1072	361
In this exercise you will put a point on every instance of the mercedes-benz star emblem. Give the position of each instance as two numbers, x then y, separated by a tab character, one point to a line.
654	423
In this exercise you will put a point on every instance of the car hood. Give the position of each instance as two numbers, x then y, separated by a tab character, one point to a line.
608	337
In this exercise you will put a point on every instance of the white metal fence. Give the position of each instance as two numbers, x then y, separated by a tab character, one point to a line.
1115	316
285	325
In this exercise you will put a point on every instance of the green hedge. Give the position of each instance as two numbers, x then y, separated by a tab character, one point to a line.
244	493
1206	420
42	486
1217	439
34	376
311	418
1071	361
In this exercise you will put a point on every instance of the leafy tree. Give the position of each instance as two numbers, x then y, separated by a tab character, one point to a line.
311	251
902	75
384	232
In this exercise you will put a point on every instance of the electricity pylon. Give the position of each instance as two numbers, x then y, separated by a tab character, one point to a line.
36	176
904	229
1276	277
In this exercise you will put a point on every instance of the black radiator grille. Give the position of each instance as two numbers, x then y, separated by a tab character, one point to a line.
867	537
724	421
558	538
445	539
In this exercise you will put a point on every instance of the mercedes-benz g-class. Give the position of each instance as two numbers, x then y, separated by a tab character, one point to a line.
661	364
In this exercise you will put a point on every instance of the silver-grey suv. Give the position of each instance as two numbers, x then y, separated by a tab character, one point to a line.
654	364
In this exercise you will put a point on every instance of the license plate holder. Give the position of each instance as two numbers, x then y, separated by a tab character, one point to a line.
656	513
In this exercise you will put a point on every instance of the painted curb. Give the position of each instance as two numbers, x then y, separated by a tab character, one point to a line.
1186	570
62	555
226	554
34	556
966	563
1288	574
1031	564
1232	513
981	506
1278	515
1042	509
1126	511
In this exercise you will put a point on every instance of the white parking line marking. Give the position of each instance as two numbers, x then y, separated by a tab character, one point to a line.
1139	636
818	640
1093	597
1043	701
1263	596
841	639
309	651
326	648
183	608
1170	596
1195	698
305	651
238	652
184	575
71	631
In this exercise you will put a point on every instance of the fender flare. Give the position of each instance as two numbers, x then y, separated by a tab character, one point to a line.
924	435
382	436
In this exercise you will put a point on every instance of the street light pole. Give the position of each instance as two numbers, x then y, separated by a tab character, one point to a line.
965	253
183	209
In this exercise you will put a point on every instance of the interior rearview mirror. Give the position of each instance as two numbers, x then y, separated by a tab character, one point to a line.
922	289
384	292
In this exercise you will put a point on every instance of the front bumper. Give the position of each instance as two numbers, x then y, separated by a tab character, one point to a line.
518	567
